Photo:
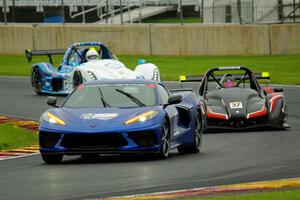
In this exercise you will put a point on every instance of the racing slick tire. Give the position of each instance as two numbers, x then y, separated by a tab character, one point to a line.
165	141
77	79
36	80
195	147
52	158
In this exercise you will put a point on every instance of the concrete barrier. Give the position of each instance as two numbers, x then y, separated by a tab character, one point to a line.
14	39
128	40
285	39
209	40
157	39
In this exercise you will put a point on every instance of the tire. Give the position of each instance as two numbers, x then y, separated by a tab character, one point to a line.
36	81
165	141
52	158
77	79
196	145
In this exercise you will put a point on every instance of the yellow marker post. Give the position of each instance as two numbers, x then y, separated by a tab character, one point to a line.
182	78
265	74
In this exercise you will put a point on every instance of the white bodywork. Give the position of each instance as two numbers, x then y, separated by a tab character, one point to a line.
114	69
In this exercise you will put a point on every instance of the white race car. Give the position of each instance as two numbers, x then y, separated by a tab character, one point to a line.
113	69
76	68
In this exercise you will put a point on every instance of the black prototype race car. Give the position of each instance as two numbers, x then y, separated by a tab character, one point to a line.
237	101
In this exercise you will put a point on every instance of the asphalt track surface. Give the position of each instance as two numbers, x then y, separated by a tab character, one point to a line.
226	158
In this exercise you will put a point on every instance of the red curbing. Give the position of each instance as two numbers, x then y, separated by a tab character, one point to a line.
235	188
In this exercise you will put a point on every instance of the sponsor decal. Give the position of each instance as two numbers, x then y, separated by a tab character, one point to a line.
236	105
100	116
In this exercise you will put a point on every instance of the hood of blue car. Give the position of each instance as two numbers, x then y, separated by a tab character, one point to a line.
89	120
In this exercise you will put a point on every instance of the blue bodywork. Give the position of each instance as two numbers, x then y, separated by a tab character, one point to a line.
59	81
142	137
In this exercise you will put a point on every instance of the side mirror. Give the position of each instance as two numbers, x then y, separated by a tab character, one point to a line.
51	101
175	99
278	89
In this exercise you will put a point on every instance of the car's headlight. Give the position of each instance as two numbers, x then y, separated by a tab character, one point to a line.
92	75
48	117
143	117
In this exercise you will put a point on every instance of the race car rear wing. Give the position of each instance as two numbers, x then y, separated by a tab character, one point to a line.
198	78
29	53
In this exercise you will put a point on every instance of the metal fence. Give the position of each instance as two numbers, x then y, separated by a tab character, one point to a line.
130	11
104	11
54	3
251	11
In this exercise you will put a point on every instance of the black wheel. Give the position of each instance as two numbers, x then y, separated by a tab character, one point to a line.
195	147
165	141
77	79
37	81
52	158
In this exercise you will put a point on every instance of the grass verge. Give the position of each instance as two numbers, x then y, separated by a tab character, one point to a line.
12	137
283	69
279	195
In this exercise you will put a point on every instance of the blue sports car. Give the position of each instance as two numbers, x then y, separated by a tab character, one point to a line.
121	116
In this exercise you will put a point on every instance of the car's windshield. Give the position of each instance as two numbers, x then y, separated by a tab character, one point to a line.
112	95
229	79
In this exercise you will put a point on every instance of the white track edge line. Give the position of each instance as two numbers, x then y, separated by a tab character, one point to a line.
15	157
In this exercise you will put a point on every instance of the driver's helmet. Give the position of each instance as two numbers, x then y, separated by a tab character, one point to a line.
92	54
229	82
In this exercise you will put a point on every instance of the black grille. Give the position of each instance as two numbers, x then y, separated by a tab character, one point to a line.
48	139
238	122
144	138
93	141
57	84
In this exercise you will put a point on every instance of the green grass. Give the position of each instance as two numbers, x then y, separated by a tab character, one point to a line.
173	20
283	69
278	195
13	137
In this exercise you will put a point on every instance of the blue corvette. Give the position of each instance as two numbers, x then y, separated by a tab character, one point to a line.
121	116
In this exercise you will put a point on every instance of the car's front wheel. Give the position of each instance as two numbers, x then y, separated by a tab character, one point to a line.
52	158
165	141
37	81
195	146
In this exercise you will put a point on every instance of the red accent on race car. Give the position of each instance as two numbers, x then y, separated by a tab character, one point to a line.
268	90
151	85
273	101
81	86
215	115
259	113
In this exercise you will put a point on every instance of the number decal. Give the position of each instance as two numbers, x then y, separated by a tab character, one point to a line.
236	105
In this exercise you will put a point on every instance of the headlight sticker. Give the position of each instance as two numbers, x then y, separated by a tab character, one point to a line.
143	117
